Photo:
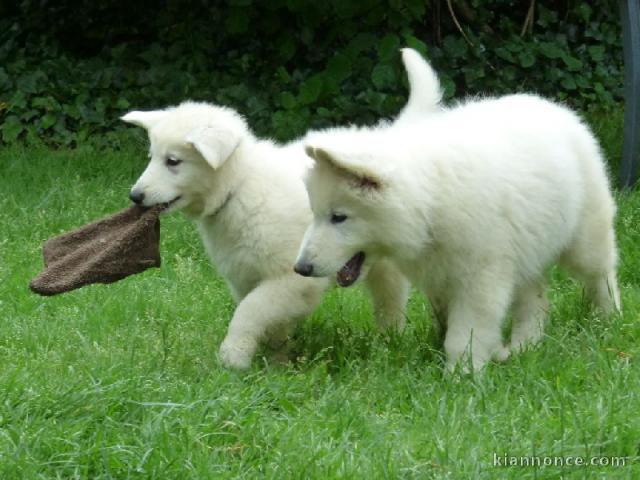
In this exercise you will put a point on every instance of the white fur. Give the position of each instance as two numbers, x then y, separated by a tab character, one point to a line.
248	199
473	205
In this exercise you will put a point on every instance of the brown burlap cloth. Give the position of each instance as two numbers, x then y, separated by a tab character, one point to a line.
104	251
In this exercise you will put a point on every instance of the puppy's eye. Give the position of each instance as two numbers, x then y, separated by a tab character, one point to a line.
338	218
173	161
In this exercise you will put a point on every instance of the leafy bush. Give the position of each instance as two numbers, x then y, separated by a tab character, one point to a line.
68	70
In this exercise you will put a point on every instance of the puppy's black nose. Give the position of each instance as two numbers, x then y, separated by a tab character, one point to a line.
304	269
136	196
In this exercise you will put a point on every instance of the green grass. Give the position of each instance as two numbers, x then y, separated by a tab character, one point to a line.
121	380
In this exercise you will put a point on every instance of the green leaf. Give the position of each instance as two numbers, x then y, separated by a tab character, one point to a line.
153	54
307	36
596	52
415	43
585	11
383	75
417	8
45	103
551	50
47	120
287	100
510	73
448	85
18	101
310	90
360	43
455	46
472	75
375	100
31	82
568	83
72	111
515	45
237	20
572	63
388	47
11	129
582	82
123	103
290	123
5	81
27	115
287	49
526	59
346	10
339	68
505	54
282	74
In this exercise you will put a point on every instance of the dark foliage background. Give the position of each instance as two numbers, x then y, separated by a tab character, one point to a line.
69	69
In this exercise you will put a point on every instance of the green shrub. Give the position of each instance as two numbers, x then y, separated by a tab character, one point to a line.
68	70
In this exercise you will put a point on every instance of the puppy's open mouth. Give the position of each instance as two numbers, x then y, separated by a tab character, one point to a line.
167	205
350	272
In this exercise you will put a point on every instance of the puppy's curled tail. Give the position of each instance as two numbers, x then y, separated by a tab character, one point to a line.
425	92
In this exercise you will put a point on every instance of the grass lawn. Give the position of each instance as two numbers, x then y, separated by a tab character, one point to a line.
122	381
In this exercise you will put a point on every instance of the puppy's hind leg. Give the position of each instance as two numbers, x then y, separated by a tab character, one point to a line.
274	305
389	291
592	257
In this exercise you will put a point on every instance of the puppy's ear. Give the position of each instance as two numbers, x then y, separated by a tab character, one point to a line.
362	172
145	120
214	144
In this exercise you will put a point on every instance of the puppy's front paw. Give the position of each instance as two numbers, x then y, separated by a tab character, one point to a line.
502	354
237	354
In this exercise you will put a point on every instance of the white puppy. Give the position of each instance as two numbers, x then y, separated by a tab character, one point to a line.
248	199
473	205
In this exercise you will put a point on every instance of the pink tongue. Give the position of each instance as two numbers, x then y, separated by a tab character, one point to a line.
351	270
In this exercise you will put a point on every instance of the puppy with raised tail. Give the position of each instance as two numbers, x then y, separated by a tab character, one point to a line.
473	205
248	200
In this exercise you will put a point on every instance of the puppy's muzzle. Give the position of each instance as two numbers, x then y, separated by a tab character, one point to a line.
303	268
136	196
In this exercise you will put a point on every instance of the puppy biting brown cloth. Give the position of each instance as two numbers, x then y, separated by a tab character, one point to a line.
104	251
